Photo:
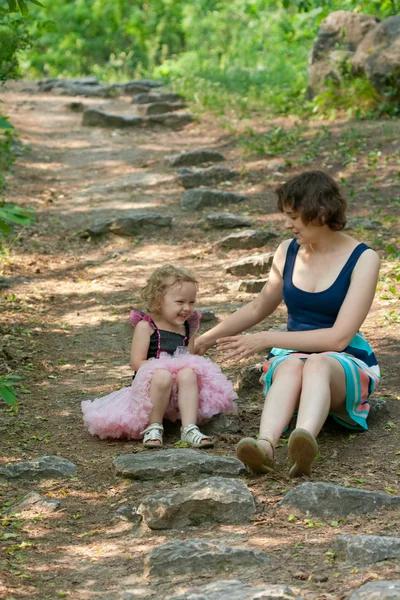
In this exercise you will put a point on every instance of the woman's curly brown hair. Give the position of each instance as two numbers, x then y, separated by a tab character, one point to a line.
158	283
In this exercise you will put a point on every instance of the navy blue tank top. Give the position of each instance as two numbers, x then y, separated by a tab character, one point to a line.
315	310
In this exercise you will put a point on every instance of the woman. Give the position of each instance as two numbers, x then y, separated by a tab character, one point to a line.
321	364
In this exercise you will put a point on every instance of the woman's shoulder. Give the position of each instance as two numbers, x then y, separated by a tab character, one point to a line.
281	252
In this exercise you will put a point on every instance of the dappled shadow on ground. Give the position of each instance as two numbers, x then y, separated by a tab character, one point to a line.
68	336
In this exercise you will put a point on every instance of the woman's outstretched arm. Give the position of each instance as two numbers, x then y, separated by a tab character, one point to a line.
351	316
252	313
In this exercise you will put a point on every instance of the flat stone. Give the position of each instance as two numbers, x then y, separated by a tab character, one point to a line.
44	467
377	590
192	177
379	411
232	589
208	316
248	379
193	157
34	503
212	500
368	549
134	223
75	106
174	120
198	198
94	117
166	464
326	500
131	224
138	85
219	425
251	286
128	513
245	240
181	557
150	97
259	264
159	108
224	220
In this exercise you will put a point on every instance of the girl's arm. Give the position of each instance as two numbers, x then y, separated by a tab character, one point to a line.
252	313
191	345
140	344
351	316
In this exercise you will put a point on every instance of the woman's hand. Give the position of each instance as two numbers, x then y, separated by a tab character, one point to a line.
239	346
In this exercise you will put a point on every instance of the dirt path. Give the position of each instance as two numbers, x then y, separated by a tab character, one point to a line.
65	322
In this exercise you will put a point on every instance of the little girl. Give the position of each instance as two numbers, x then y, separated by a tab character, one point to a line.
170	381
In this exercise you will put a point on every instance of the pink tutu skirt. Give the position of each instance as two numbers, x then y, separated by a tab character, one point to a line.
125	413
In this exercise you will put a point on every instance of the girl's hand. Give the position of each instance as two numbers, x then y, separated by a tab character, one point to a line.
201	346
239	346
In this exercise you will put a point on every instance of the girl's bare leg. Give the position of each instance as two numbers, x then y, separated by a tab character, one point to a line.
281	401
323	389
160	392
188	396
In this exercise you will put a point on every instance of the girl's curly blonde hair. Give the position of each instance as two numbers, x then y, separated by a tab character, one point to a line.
158	283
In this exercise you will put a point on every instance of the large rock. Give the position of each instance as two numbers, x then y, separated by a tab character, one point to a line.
192	177
368	549
131	224
166	464
212	500
377	590
326	500
159	108
135	223
137	86
174	120
83	86
33	503
259	264
245	240
224	220
251	286
378	55
341	32
233	589
193	157
181	557
44	467
94	117
150	97
199	198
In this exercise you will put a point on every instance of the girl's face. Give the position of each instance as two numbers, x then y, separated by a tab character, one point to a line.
178	302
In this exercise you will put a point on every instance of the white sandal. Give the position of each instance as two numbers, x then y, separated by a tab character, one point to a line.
153	436
192	435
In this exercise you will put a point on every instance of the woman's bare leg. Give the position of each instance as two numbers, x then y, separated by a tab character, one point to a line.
323	389
281	401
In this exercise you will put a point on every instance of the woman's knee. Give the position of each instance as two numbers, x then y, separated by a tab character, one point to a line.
291	367
187	376
162	379
316	364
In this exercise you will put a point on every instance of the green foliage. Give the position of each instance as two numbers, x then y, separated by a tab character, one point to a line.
229	55
7	393
10	215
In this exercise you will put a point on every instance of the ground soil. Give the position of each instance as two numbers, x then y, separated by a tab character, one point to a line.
65	330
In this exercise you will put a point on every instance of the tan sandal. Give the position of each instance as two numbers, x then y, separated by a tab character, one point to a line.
254	456
302	449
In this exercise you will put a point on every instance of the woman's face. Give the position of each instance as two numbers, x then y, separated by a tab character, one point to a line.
304	233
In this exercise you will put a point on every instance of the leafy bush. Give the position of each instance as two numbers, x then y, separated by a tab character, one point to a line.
7	393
